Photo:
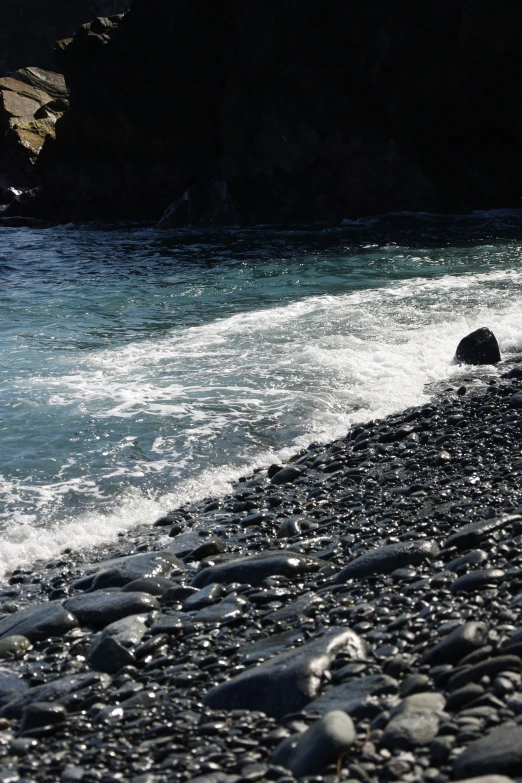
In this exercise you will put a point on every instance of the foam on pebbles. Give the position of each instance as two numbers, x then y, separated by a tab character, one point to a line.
353	615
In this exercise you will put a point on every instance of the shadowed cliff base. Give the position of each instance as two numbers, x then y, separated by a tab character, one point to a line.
245	113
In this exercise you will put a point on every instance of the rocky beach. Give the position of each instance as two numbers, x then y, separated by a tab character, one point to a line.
224	228
353	614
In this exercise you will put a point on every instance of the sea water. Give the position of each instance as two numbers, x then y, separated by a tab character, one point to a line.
141	370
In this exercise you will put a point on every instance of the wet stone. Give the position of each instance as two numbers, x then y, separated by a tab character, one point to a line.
14	646
290	527
109	655
415	721
255	569
38	622
478	347
464	695
121	571
320	745
472	534
209	549
488	668
477	580
353	696
286	475
286	683
42	714
207	596
270	645
153	585
473	558
460	642
499	752
54	691
488	779
515	401
11	685
305	606
226	611
128	631
100	609
167	624
387	559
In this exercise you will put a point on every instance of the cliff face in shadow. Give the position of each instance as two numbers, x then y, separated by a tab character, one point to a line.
29	29
248	112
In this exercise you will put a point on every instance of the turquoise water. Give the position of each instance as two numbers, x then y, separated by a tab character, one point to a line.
140	369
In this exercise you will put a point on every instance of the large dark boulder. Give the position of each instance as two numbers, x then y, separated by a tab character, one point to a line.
287	682
281	111
479	347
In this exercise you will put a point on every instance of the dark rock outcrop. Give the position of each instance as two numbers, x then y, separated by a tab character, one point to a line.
277	112
31	100
479	347
30	28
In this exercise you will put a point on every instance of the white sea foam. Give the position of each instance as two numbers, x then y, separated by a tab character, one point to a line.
284	375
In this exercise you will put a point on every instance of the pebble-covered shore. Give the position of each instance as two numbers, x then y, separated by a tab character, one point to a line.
353	615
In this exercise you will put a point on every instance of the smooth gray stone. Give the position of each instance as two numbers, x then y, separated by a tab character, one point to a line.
38	622
108	655
407	731
270	645
216	777
388	558
460	642
72	774
476	580
287	682
100	609
464	695
42	713
284	751
515	401
286	475
121	571
305	606
488	668
290	527
128	631
177	594
54	691
514	640
10	685
353	695
231	608
475	557
140	701
183	544
209	548
154	585
429	701
471	535
499	752
415	721
255	569
320	745
205	597
488	779
168	623
13	646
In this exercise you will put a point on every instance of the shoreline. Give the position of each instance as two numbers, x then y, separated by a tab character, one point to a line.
141	689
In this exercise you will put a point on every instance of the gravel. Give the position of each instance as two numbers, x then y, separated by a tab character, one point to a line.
376	579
